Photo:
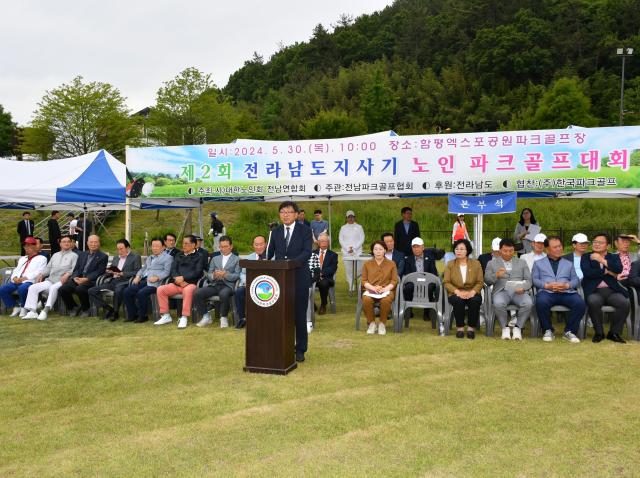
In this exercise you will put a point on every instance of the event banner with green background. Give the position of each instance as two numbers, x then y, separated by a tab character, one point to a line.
573	159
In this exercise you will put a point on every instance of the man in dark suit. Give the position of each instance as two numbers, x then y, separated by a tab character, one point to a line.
25	229
293	241
54	232
405	231
83	229
170	244
419	261
392	254
124	266
328	261
91	264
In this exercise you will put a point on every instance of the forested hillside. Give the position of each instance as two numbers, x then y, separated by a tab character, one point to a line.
424	66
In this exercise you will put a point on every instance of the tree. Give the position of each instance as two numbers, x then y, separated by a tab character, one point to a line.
332	124
378	105
563	104
79	117
7	133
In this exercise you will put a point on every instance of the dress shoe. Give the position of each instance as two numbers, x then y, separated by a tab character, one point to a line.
109	313
597	338
460	334
75	311
85	313
616	338
323	310
129	319
299	356
141	320
241	323
471	334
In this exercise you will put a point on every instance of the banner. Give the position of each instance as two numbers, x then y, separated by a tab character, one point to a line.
574	159
492	204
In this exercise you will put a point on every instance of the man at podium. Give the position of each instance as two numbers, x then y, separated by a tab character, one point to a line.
293	241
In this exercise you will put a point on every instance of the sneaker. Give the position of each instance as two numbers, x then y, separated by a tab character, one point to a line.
43	315
571	337
224	322
23	312
382	330
548	336
15	312
165	319
372	328
513	322
506	333
182	322
517	333
589	322
30	315
309	327
206	320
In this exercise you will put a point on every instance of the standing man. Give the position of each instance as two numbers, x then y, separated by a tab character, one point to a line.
170	244
351	238
217	230
54	232
302	219
223	273
25	229
91	264
258	254
405	231
292	241
124	266
328	262
318	225
73	223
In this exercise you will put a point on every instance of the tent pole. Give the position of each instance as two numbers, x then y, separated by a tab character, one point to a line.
200	221
638	234
329	218
127	219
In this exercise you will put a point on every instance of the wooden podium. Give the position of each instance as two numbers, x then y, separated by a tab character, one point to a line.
270	308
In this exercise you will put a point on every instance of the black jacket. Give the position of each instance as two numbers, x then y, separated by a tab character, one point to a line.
403	239
96	268
429	264
190	266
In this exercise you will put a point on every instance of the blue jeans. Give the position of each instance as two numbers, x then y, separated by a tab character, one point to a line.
575	304
138	293
7	290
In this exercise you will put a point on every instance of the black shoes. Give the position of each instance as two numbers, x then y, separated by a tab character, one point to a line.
241	323
75	311
129	319
597	338
299	356
323	309
471	334
141	320
616	338
460	334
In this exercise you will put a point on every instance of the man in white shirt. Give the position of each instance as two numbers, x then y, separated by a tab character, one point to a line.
538	245
56	273
580	244
351	238
29	267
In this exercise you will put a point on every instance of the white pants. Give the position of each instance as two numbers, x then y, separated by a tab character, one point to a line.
35	289
348	271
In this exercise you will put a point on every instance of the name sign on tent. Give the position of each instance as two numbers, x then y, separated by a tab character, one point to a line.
602	159
493	204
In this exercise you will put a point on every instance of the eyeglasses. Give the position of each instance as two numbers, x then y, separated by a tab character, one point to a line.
287	211
598	242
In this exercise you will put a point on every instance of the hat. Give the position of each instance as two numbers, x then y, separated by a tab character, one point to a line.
30	240
213	214
198	238
350	213
579	238
417	242
540	237
495	244
460	214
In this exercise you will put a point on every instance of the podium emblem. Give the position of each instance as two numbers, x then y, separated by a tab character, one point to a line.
264	291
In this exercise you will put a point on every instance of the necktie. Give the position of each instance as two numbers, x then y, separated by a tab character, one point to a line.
321	258
28	228
287	236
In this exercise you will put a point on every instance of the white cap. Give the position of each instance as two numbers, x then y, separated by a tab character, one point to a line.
579	238
460	214
540	237
350	213
417	242
495	244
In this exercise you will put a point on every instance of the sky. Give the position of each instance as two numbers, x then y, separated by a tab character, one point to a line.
136	45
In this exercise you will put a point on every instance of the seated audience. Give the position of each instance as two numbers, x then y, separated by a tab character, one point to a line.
170	244
327	261
186	271
538	244
557	284
463	281
39	246
511	279
601	287
623	244
392	253
379	281
156	268
29	267
487	256
224	271
259	254
90	265
580	243
124	266
56	273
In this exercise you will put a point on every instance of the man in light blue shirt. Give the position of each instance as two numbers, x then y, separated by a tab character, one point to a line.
318	225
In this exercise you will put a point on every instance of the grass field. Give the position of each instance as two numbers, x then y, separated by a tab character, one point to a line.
84	397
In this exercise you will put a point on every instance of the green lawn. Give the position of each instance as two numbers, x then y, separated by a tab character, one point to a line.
84	397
